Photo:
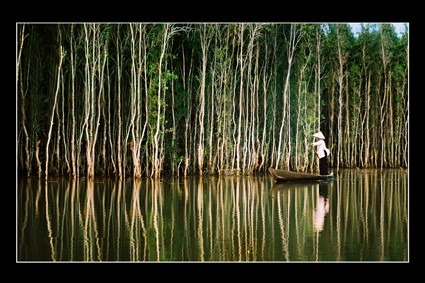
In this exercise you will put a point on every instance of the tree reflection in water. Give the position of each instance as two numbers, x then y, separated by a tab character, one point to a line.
230	218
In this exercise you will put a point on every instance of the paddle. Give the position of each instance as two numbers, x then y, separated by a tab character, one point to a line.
312	146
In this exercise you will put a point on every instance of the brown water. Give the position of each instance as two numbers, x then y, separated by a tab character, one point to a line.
362	215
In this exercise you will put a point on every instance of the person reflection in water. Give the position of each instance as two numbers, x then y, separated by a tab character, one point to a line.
322	208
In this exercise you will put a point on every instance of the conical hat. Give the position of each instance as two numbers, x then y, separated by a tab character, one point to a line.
319	135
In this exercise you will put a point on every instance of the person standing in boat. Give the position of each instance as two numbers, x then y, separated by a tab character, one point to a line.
322	152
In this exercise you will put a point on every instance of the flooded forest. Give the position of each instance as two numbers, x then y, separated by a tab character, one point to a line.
154	99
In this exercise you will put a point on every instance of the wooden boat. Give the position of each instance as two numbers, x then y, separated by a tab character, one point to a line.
286	176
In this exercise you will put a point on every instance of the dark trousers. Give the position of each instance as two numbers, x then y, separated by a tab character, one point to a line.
323	164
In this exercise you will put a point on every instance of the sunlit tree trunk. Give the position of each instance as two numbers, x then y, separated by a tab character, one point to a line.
187	118
318	83
146	129
21	45
19	79
175	164
142	75
102	51
362	110
391	123
37	158
241	97
266	81
233	84
403	120
375	125
156	138
88	103
357	117
340	79
274	103
383	102
104	139
73	47
65	137
212	114
109	126
135	101
225	146
205	39
49	136
307	129
249	151
247	101
292	44
97	71
319	72
255	141
346	136
218	86
302	118
367	121
89	107
331	114
119	111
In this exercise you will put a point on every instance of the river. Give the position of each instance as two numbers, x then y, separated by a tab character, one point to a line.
360	216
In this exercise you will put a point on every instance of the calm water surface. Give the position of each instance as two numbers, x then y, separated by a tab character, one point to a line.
362	215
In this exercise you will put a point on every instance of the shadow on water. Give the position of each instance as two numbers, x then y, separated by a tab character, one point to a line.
360	216
296	185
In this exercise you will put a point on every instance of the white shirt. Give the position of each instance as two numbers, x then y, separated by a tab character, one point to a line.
320	148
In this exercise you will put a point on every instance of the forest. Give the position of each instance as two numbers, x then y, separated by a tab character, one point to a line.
179	99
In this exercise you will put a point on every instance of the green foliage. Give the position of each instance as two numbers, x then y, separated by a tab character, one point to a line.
105	33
